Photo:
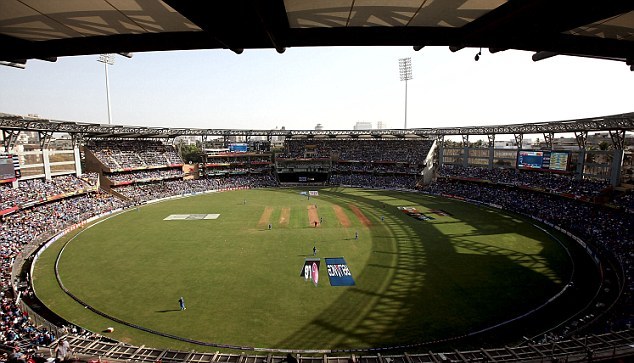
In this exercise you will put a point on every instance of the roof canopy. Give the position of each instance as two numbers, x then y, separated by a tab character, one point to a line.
48	29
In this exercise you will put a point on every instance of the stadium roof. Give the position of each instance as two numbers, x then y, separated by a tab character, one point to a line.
622	123
47	29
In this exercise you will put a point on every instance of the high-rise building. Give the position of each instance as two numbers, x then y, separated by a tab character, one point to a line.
363	125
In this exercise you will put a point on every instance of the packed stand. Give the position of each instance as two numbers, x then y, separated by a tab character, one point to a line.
548	182
146	175
387	168
608	228
374	181
91	178
38	190
624	200
135	154
26	226
371	150
169	188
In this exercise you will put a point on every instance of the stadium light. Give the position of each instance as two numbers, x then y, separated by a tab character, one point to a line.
405	69
107	59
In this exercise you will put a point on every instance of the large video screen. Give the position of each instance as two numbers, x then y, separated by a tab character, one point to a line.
543	160
238	147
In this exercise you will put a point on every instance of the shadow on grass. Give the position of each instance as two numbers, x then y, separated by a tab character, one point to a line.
168	311
417	287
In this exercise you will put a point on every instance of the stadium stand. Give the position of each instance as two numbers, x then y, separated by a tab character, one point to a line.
375	162
374	181
412	151
223	163
38	209
130	155
560	184
24	229
37	191
165	189
144	175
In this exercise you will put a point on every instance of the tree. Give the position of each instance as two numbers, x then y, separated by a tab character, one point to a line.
603	145
190	153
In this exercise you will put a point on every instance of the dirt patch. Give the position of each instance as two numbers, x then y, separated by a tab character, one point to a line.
285	216
313	216
264	218
362	218
341	216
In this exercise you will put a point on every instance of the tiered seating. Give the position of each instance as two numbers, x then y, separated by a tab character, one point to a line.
29	226
134	154
150	191
145	175
35	191
371	150
549	182
374	181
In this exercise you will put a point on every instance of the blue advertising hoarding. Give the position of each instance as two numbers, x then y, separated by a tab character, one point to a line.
338	272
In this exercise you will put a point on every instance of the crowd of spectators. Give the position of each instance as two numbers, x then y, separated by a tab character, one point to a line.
374	181
168	188
91	178
16	327
27	226
239	158
221	170
38	190
134	154
549	182
608	228
138	175
370	150
624	200
403	168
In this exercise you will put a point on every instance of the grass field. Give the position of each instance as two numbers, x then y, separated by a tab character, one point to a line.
415	280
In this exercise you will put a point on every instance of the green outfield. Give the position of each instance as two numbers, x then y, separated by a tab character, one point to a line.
416	280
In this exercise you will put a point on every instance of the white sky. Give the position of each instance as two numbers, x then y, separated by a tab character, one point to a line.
336	87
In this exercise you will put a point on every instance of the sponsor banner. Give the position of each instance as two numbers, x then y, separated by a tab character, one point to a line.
313	193
414	213
338	272
310	271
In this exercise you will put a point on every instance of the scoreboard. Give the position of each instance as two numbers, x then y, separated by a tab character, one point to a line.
238	147
544	160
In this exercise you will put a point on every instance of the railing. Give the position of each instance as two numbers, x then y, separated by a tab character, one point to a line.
592	347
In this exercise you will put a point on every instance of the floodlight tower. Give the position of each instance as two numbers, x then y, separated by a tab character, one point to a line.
107	59
405	69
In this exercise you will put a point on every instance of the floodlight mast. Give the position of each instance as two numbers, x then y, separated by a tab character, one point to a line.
107	59
405	70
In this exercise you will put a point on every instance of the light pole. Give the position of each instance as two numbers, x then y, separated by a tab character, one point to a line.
107	59
405	69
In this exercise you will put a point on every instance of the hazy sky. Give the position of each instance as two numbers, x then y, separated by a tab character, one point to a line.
336	87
